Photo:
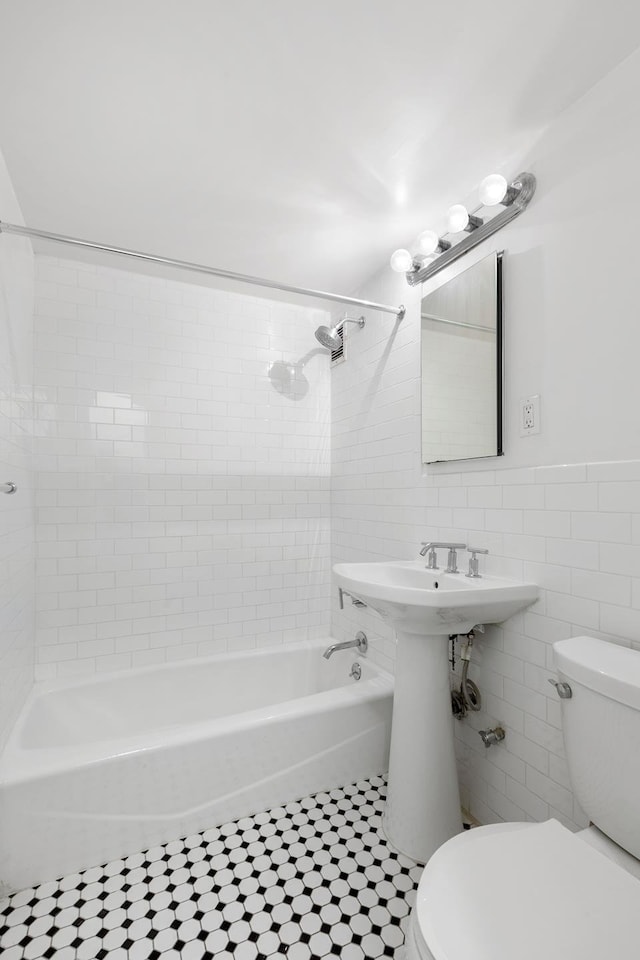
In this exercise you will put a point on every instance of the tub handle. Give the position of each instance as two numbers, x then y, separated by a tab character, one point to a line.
563	690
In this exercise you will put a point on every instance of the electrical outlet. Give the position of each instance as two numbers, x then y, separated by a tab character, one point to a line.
529	416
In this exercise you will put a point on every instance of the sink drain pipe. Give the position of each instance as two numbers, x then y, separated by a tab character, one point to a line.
468	697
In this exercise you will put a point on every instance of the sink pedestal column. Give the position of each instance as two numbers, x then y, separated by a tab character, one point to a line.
423	801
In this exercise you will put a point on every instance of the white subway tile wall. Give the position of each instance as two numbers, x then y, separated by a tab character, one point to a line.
183	470
572	529
17	626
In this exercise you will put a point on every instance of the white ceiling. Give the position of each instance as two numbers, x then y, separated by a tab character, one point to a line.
300	140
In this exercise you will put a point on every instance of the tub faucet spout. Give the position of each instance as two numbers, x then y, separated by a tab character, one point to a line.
360	641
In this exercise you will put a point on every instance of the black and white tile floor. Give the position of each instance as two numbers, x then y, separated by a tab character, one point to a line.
308	880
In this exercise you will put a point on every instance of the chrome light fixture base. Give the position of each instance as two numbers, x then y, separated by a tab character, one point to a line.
516	200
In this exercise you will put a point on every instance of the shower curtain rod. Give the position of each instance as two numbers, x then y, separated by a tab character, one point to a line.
21	231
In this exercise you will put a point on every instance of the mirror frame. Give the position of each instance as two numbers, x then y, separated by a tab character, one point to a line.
499	274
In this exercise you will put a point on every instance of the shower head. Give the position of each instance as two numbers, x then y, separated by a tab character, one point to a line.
330	337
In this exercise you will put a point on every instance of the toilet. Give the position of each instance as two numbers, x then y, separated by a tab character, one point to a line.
527	891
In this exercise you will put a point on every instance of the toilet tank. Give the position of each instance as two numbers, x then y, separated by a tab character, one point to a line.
601	726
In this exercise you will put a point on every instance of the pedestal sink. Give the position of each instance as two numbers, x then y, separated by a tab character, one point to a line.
426	606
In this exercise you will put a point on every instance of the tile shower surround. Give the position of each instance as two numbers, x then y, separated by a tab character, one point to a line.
183	497
307	880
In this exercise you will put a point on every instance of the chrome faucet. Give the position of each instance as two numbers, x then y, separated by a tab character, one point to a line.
452	556
432	560
360	642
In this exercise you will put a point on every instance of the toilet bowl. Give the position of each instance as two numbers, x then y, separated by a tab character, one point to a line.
521	891
537	891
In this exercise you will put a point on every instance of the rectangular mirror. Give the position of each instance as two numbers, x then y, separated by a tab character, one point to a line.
461	349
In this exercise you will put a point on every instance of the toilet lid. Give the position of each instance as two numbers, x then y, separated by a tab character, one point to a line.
526	892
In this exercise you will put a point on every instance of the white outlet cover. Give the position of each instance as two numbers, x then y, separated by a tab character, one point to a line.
529	416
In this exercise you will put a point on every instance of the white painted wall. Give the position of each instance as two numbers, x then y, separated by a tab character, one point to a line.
16	511
572	335
183	494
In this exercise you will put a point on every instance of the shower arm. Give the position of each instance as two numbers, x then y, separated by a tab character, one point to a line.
31	232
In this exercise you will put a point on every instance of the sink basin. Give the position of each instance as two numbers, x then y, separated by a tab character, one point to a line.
425	607
418	600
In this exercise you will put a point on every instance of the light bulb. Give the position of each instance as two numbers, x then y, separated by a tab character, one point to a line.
428	242
493	189
401	261
457	218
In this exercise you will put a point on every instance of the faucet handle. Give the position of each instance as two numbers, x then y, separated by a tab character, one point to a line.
473	562
452	557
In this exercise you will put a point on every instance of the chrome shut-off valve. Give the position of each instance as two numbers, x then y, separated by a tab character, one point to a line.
490	737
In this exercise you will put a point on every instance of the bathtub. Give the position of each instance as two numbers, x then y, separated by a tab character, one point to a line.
108	766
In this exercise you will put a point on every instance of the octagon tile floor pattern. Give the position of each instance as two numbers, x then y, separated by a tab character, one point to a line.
307	880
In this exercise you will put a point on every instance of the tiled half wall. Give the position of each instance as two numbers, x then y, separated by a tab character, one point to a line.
575	531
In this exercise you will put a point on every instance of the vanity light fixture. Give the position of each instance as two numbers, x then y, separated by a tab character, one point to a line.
493	189
434	253
429	242
459	219
401	261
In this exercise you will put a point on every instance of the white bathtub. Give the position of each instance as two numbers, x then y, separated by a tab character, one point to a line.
107	766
